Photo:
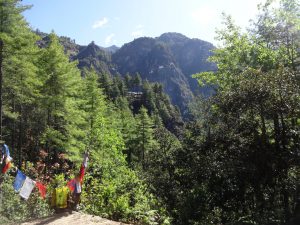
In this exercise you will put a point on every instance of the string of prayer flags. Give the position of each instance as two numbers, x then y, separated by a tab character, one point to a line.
27	188
24	185
19	180
42	189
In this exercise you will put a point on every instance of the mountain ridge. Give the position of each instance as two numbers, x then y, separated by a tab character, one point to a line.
169	59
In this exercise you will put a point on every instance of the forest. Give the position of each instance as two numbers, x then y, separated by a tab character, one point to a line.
233	159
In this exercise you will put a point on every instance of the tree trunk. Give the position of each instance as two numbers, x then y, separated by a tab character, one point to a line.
1	84
20	139
13	134
263	126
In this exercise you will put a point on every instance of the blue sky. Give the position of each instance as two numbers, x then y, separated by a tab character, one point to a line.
109	22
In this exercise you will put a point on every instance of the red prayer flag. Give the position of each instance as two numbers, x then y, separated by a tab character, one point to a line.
6	167
7	160
71	184
42	189
81	173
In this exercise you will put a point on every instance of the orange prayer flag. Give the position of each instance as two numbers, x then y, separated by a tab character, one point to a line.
7	166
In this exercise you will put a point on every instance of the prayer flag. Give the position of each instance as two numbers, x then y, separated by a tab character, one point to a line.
77	187
72	184
85	160
7	164
81	173
61	197
27	188
19	180
42	189
5	150
6	167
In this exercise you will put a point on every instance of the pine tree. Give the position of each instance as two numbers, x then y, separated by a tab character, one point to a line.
127	127
61	91
10	20
18	79
94	105
144	136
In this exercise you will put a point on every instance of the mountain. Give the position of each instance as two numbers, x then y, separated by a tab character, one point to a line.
191	56
169	59
155	62
93	56
111	49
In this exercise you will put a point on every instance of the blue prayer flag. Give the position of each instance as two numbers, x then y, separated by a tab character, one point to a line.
19	180
5	150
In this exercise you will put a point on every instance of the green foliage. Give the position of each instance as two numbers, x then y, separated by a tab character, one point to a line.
113	190
13	209
51	110
248	130
236	162
120	197
62	118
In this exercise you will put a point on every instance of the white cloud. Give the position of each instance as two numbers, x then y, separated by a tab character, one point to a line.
139	31
204	15
100	23
109	39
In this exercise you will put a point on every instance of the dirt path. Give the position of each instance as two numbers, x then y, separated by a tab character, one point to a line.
74	218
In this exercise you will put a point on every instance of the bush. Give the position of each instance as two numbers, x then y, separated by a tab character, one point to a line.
14	209
121	196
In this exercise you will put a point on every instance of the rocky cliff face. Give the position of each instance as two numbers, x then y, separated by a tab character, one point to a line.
170	59
191	56
93	56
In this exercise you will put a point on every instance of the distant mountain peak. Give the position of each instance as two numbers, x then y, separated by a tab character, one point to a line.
112	49
92	43
172	36
92	50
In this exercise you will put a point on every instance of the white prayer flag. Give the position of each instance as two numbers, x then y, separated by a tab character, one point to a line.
85	160
78	187
27	188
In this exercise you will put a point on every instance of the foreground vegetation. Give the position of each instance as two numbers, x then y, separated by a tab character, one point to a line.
235	161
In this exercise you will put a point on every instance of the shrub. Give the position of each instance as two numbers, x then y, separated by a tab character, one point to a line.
14	209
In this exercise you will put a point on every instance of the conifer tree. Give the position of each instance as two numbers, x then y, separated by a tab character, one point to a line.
144	136
127	127
94	105
61	91
18	79
10	20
